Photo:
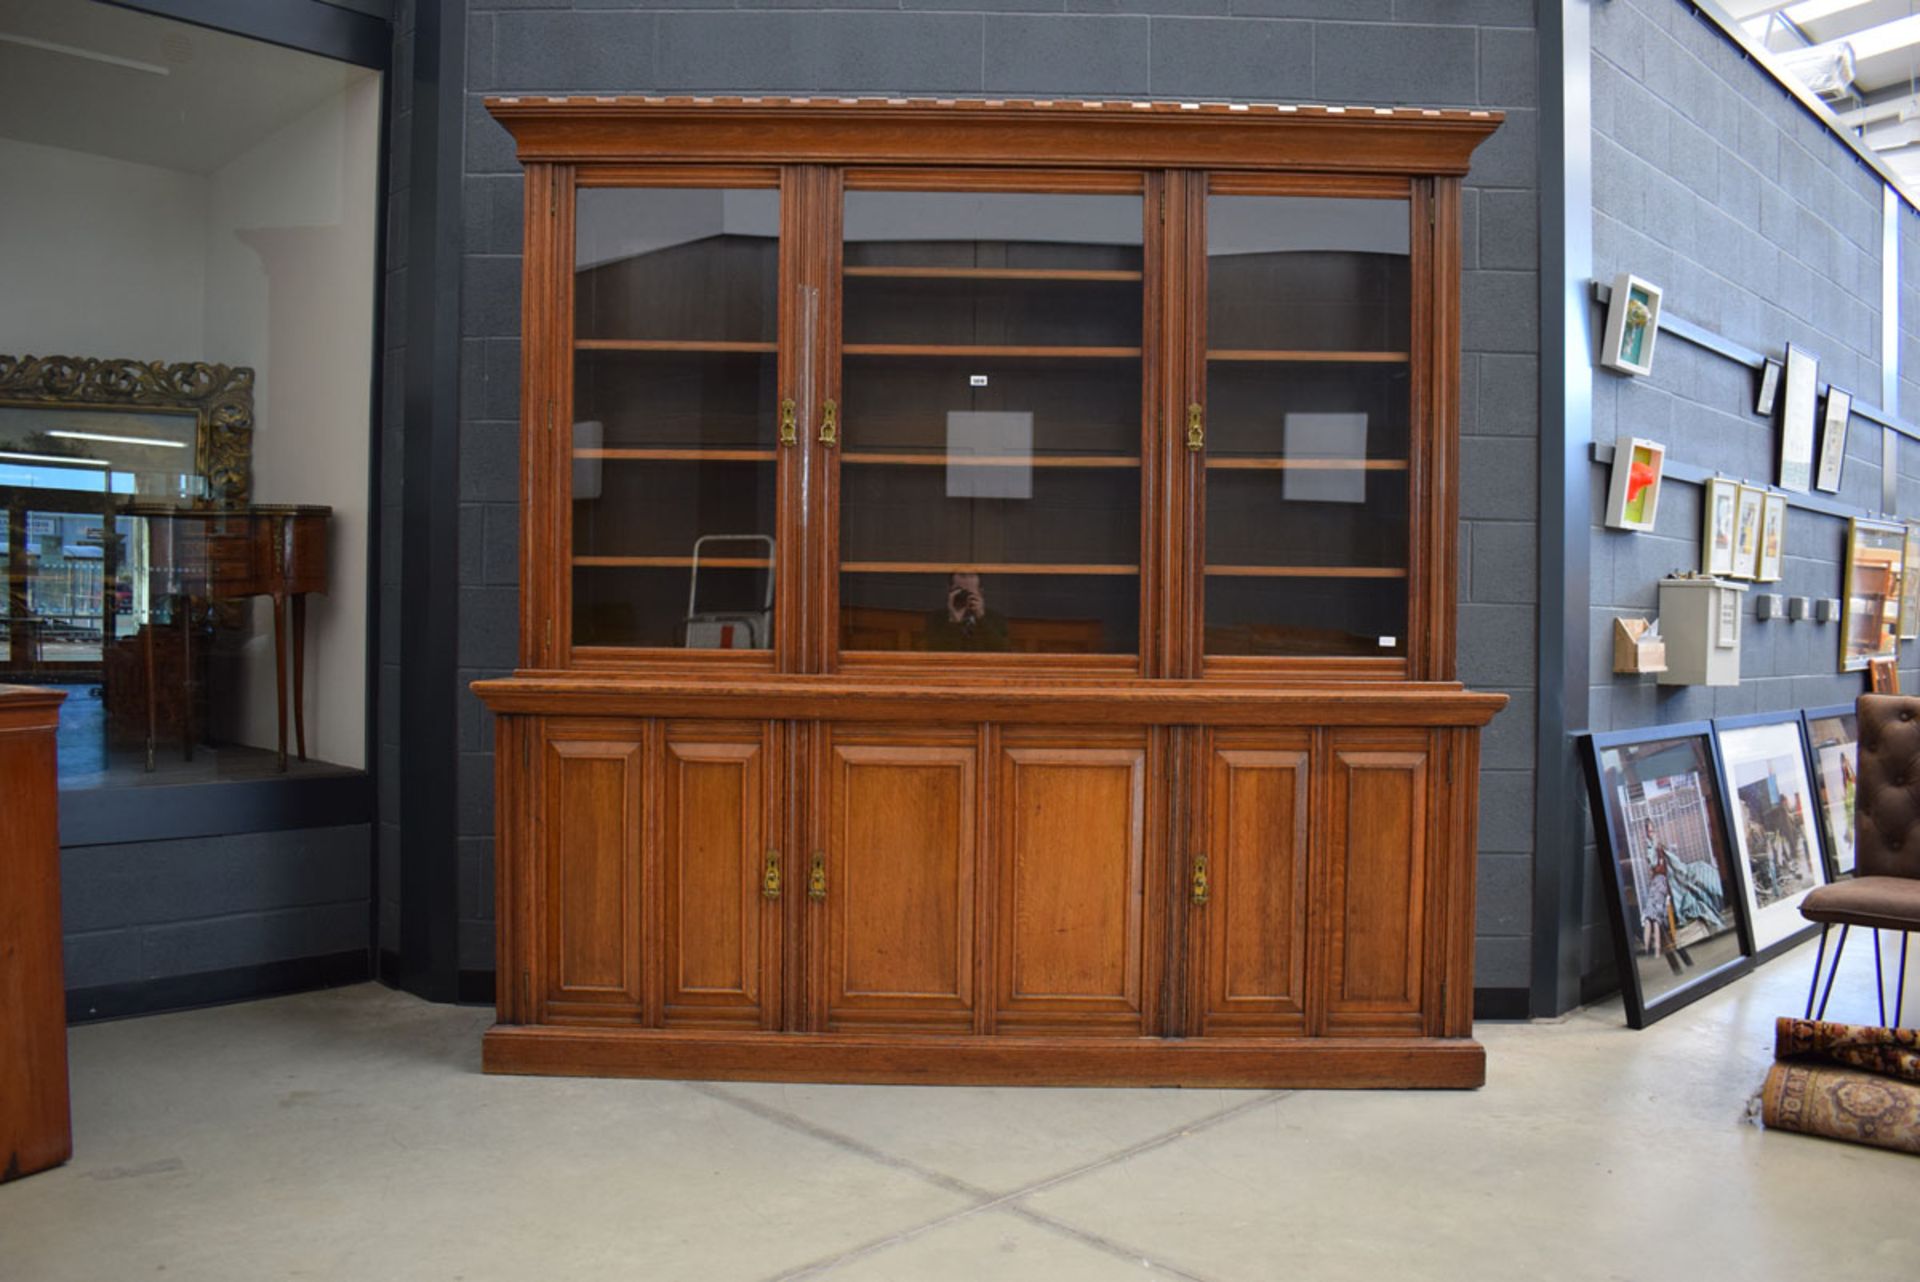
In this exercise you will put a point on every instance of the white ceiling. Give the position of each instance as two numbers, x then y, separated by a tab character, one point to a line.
94	78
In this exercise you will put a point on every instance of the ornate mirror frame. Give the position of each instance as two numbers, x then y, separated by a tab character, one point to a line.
219	396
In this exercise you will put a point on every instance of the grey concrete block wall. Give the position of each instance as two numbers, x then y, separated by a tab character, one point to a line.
1712	181
1448	53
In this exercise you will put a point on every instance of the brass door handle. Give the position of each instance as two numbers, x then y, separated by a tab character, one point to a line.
770	877
817	876
789	423
1196	434
1202	887
829	423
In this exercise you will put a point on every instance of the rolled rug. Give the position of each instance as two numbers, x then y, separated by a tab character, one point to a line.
1842	1104
1890	1052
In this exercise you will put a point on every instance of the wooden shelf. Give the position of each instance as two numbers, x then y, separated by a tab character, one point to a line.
970	349
673	562
1328	358
681	456
668	345
988	460
1307	571
979	567
1307	464
991	273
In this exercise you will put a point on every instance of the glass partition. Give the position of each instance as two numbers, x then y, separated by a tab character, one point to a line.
989	441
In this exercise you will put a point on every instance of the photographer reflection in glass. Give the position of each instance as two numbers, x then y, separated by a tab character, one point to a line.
966	623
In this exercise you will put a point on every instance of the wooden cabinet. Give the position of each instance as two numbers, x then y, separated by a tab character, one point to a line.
988	596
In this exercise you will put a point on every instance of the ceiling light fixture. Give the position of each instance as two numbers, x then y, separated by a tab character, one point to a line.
117	440
91	55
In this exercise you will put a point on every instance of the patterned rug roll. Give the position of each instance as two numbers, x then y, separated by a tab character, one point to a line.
1874	1099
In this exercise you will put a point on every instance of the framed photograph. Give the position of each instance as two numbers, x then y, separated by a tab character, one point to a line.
1910	584
1773	812
1633	322
1833	440
1802	385
1769	393
1870	606
1773	536
1746	531
1668	864
1633	496
1721	498
1833	745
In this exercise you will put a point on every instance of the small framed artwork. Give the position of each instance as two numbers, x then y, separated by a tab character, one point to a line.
1801	389
1833	745
1883	676
1633	496
1774	815
1769	393
1633	322
1746	531
1833	440
1773	537
1910	584
1668	866
1721	500
1870	606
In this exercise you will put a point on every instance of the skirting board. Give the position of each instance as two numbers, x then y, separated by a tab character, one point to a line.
985	1061
217	987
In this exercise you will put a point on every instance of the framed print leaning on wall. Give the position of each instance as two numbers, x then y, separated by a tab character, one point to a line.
1773	812
1773	537
1833	440
1746	532
1633	492
1910	584
1633	323
1833	748
1796	420
1870	613
1719	500
1668	865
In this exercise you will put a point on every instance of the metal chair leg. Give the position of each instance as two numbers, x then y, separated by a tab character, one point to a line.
1814	988
1838	949
1900	988
1879	979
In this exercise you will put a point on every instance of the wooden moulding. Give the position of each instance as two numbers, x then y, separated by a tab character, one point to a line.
1374	141
927	1059
1159	702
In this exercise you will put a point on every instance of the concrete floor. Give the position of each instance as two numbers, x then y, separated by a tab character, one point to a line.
349	1135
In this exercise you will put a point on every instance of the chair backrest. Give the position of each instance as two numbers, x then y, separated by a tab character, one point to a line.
1887	796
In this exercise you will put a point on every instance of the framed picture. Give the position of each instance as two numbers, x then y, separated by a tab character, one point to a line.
1870	606
1633	322
1910	584
1833	746
1668	865
1746	531
1633	497
1763	400
1796	420
1773	536
1773	811
1833	440
1883	676
1721	498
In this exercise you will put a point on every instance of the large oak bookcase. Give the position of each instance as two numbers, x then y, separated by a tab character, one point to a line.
1037	737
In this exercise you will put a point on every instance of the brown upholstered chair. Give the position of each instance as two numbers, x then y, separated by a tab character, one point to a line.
1884	893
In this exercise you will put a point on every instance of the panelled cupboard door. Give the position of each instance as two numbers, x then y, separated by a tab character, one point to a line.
1379	848
1072	867
1247	883
892	883
591	821
722	875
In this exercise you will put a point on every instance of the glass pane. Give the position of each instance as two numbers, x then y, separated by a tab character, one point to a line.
1307	426
675	406
990	439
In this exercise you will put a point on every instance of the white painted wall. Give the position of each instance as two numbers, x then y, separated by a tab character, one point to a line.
103	257
291	235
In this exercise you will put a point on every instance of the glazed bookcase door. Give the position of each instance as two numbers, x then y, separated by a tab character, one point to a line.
983	428
1304	424
681	424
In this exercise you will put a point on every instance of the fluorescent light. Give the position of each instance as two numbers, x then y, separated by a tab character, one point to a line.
91	55
1886	37
119	440
1814	10
62	460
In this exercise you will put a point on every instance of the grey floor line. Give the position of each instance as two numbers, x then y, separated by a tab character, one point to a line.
983	1199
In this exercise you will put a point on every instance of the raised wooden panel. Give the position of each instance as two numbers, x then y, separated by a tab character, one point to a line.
719	930
899	900
1249	937
1070	860
1377	853
591	818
